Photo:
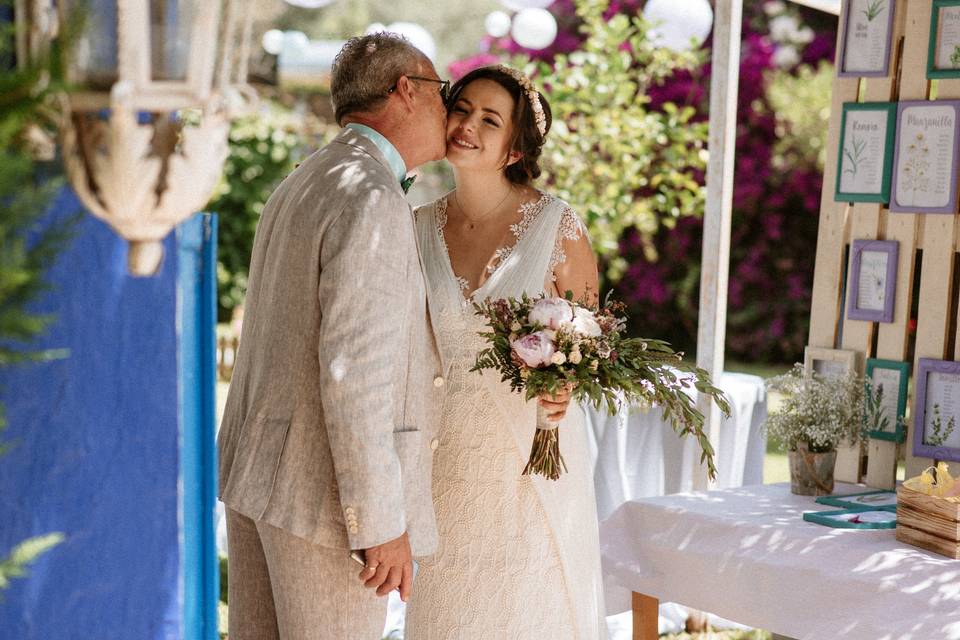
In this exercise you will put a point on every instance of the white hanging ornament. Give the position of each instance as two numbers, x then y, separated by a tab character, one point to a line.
679	24
417	35
520	5
309	4
272	41
534	28
376	27
497	24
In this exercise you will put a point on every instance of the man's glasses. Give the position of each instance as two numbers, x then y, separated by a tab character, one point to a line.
444	86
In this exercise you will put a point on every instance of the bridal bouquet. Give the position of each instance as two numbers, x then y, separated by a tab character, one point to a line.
547	344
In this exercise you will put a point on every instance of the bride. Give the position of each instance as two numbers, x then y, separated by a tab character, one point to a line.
518	556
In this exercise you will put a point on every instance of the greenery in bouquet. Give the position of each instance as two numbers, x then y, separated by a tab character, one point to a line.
819	411
542	345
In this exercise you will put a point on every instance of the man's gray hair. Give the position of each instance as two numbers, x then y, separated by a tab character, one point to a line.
366	68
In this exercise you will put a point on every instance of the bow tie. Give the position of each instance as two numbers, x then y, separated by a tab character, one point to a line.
406	182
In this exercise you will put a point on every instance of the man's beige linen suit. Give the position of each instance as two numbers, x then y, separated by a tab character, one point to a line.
330	422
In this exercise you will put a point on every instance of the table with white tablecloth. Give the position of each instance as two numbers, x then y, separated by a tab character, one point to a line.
748	555
642	456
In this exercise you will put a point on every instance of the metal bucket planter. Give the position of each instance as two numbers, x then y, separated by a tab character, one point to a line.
811	473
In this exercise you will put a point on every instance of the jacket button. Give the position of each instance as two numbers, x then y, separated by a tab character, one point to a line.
434	444
438	382
354	529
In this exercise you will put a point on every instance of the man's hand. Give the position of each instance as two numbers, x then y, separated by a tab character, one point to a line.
556	405
389	565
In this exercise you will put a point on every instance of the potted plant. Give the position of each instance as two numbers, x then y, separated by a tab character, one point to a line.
815	415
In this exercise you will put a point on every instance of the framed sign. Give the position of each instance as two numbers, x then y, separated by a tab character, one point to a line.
873	280
886	399
943	59
925	158
829	363
867	134
937	410
865	39
865	500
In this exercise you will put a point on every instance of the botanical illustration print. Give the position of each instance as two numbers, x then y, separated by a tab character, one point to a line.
854	153
955	56
916	169
874	9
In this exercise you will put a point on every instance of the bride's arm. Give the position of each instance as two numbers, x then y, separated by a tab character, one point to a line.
575	267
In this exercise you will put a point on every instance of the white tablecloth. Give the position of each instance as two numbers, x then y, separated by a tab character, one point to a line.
747	555
648	459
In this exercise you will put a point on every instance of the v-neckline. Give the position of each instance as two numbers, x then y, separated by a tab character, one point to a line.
529	211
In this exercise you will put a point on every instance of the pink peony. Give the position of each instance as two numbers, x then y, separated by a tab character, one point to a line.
551	312
534	350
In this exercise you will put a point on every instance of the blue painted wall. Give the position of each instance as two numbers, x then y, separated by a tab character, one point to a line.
98	452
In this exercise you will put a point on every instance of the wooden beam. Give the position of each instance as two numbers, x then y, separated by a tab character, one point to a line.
712	320
645	617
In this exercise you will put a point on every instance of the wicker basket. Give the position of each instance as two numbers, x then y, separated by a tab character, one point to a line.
928	522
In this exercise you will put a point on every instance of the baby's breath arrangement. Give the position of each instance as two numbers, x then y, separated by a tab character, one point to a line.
820	412
544	344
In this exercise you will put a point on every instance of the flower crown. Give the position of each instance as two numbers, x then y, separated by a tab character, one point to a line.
532	95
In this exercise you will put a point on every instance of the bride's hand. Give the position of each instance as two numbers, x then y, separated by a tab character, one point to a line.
556	404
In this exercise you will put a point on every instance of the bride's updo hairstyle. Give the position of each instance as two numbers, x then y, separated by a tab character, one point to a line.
531	117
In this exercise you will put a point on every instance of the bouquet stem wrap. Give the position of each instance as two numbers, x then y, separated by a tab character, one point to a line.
545	458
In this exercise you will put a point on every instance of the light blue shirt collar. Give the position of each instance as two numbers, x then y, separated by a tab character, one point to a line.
386	147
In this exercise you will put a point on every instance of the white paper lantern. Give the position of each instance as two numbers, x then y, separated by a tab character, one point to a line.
295	41
520	5
497	24
376	27
417	35
309	4
679	24
272	41
534	28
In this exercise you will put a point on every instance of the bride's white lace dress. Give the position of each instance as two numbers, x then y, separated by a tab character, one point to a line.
518	556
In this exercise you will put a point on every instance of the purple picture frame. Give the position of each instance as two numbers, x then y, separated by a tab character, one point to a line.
951	207
892	249
842	51
925	367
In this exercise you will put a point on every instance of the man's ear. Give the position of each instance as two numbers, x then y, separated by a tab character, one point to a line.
513	157
405	91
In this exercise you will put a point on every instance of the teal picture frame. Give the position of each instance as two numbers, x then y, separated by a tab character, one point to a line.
933	72
882	499
899	432
828	519
846	150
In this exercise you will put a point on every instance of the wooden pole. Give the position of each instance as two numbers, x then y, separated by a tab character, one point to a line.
712	329
645	617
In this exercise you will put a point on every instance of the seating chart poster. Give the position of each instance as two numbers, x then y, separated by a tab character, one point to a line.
866	152
866	38
943	60
925	159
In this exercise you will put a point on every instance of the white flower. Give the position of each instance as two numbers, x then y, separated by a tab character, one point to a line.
515	327
551	312
585	323
575	357
558	358
594	365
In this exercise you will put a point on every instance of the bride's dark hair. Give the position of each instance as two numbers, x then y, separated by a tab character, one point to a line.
526	137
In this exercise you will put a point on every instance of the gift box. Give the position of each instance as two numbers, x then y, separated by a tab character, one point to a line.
928	521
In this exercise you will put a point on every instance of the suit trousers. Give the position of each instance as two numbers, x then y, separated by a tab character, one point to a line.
282	587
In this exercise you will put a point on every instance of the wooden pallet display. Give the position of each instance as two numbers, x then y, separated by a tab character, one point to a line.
935	234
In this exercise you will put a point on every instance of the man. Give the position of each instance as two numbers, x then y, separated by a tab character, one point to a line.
325	445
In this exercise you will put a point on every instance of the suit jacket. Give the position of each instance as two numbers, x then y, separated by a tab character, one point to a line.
337	386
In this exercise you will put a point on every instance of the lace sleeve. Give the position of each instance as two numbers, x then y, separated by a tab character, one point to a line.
571	228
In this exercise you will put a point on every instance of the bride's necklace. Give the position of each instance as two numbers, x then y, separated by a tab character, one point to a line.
472	222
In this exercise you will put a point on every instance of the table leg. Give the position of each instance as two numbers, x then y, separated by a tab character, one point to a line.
645	617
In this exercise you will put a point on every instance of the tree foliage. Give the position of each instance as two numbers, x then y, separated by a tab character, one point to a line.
619	161
26	251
